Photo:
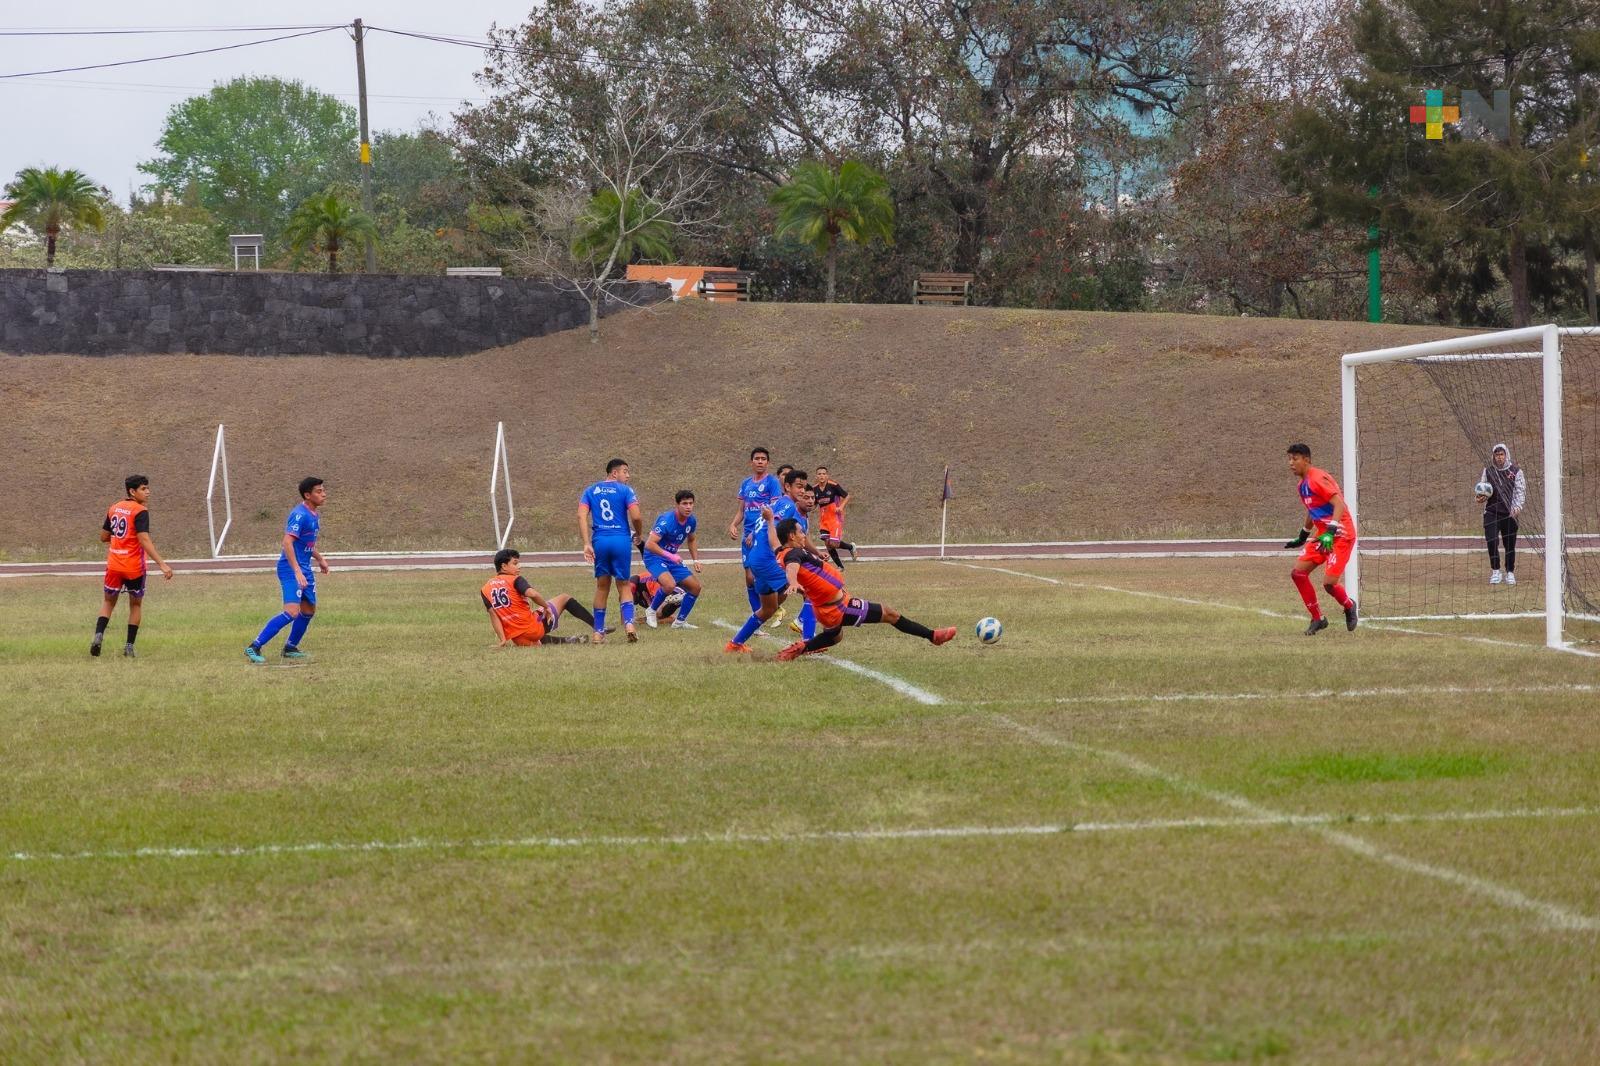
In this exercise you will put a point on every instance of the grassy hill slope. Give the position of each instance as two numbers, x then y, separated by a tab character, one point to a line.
1060	425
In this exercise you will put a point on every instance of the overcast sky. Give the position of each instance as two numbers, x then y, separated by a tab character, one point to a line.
105	122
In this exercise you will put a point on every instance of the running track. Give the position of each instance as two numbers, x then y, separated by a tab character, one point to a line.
1093	549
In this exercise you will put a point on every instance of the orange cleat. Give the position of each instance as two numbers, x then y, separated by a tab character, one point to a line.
792	651
944	636
736	648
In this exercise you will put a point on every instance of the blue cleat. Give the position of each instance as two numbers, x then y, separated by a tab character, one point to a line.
253	653
292	652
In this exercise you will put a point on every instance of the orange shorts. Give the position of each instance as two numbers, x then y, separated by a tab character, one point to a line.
529	636
1332	562
830	616
118	581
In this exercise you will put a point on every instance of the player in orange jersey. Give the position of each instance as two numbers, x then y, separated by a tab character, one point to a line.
126	533
1331	529
519	614
823	587
831	498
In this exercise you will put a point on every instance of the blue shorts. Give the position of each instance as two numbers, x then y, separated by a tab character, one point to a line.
656	566
612	556
770	577
293	593
745	549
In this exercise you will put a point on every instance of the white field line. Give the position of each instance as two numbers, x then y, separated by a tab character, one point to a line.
1216	605
1313	694
905	688
1553	914
821	836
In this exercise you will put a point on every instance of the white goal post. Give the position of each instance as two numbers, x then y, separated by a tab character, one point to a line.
219	462
1470	377
500	471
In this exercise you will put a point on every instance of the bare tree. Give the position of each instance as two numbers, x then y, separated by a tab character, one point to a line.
637	177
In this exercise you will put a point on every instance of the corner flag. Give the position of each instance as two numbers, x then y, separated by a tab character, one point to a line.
945	496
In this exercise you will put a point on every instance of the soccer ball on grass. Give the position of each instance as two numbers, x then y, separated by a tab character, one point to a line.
989	630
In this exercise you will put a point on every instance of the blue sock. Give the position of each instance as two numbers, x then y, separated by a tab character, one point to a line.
808	621
751	624
755	601
658	599
270	630
685	607
599	619
627	612
298	630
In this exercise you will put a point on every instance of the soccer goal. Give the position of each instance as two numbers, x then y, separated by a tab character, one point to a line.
500	476
1420	423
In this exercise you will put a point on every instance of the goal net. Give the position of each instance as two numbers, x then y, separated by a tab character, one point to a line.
1421	426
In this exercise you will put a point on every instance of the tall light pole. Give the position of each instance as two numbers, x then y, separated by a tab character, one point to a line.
366	143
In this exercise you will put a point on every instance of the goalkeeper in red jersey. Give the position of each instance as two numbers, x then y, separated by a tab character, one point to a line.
1328	538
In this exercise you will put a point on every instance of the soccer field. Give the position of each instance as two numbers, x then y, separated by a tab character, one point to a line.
1142	827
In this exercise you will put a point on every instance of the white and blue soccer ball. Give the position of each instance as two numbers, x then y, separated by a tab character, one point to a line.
989	630
1484	489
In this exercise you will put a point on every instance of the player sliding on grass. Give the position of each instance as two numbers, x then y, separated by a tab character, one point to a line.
608	519
295	576
126	534
674	530
823	586
1335	539
506	597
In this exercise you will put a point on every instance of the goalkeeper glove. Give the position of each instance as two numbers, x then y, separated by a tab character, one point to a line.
1301	539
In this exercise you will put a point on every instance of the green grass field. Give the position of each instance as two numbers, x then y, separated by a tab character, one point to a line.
1160	842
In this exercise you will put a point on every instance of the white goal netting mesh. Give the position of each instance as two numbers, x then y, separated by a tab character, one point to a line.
1426	430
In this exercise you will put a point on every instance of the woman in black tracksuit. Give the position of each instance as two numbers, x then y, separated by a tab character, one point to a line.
1500	511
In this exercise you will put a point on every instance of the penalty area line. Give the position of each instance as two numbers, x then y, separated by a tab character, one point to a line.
821	836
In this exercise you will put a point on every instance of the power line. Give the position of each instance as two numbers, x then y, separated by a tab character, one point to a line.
143	31
174	55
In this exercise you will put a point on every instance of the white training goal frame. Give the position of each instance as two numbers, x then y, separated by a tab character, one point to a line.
500	471
1541	343
219	462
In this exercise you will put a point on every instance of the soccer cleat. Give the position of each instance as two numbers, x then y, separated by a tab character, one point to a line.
94	645
650	618
853	554
1352	617
598	637
777	619
1317	626
253	653
633	636
797	627
1494	577
292	652
792	651
673	597
737	649
679	623
1511	579
128	652
944	636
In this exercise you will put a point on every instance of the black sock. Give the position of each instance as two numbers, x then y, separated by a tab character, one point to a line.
833	553
915	629
133	632
847	546
580	612
825	639
100	624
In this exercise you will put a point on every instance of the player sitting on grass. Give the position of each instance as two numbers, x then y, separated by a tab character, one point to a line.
506	597
1335	539
673	531
645	588
126	534
823	586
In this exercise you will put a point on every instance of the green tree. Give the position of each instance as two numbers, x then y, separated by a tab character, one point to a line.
326	223
254	148
424	174
820	205
612	230
49	199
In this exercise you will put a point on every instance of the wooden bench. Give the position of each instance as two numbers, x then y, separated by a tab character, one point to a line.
472	272
724	286
942	288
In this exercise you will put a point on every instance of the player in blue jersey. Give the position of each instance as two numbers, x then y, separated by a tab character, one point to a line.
610	523
672	533
756	491
771	582
295	574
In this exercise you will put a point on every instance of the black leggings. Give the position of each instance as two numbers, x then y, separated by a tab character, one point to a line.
1498	528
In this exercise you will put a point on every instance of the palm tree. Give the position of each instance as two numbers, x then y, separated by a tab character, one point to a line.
820	205
51	198
327	222
616	229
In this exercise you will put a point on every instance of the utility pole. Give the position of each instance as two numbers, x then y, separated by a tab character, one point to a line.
366	143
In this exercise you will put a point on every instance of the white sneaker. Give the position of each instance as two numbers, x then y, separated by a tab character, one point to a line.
777	619
650	617
1494	577
679	623
1511	579
675	596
